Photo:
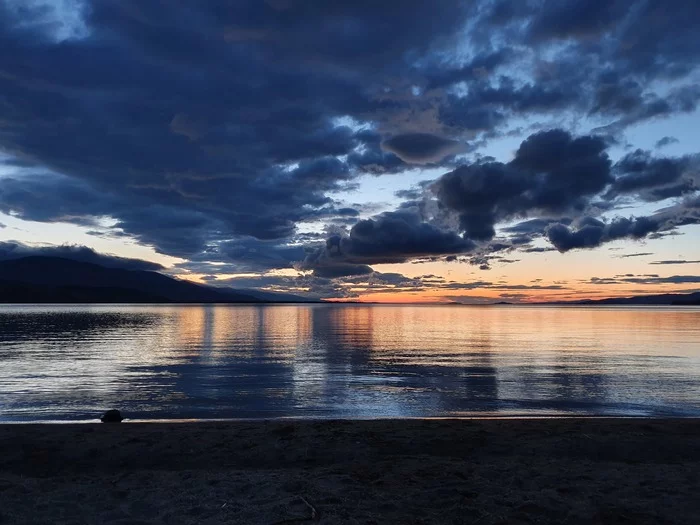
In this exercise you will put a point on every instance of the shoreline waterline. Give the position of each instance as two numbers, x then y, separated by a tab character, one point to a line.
296	419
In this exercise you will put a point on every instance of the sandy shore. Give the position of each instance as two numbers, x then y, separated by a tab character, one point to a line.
442	471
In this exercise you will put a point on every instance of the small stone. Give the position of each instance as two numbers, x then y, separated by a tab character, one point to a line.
112	416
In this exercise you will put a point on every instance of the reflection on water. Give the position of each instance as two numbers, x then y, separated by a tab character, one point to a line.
154	362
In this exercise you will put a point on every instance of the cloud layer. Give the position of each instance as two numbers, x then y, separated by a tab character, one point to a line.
18	250
231	133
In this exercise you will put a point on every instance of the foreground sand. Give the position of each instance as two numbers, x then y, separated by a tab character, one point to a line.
440	471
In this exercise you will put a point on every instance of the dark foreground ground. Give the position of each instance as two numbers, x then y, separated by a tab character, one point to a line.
448	471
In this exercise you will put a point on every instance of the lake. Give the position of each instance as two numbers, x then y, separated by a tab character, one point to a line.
71	363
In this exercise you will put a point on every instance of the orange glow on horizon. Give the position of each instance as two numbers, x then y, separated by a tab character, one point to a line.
508	292
487	296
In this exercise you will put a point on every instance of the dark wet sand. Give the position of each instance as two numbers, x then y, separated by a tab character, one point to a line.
440	471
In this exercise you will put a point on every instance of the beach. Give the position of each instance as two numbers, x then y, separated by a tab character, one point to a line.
373	471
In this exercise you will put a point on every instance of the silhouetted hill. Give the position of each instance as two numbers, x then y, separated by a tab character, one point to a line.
660	300
53	279
13	292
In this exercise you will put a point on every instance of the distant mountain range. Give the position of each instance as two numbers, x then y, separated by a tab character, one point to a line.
676	299
40	279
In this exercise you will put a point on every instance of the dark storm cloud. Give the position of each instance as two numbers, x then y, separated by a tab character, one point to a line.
254	255
487	107
675	261
342	270
532	226
246	255
646	279
640	254
370	157
601	61
391	237
15	250
591	233
555	176
48	198
614	96
575	19
397	236
539	249
171	230
654	179
666	141
552	174
413	194
197	110
421	147
480	66
267	209
660	38
651	37
631	104
520	236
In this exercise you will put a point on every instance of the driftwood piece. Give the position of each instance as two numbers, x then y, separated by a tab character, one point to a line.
315	515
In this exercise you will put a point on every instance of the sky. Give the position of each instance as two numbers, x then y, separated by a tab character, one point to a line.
395	151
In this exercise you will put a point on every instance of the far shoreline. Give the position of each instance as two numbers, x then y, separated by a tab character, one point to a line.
334	419
633	302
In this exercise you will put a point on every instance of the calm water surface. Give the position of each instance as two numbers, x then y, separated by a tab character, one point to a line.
352	361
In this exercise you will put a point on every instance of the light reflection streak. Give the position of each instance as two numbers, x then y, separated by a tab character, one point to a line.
347	361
